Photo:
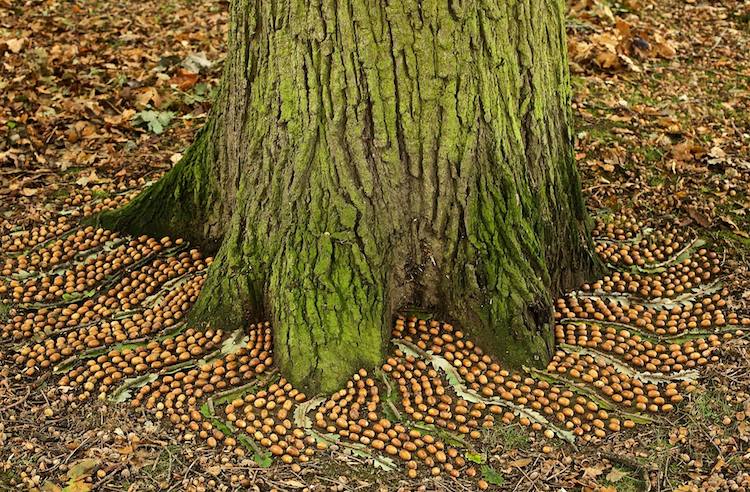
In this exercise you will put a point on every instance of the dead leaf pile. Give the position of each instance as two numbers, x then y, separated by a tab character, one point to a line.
88	86
602	38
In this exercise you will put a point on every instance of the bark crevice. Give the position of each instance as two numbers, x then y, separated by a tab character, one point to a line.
369	155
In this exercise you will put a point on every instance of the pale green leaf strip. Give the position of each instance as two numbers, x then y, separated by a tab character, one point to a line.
125	390
591	394
653	337
456	381
383	462
648	377
625	300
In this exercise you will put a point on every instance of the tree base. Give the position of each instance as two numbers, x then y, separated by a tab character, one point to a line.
347	171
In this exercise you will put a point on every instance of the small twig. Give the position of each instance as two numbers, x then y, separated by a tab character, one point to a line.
75	450
16	403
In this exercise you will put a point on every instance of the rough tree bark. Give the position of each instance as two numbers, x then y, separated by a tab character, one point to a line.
366	155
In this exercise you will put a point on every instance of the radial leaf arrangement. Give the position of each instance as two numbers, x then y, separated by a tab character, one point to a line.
105	314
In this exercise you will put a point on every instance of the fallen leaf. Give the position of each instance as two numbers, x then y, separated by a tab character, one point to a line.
15	45
92	178
155	121
607	59
593	471
492	476
717	152
148	95
520	463
688	487
51	487
475	457
184	79
295	484
195	62
683	151
82	469
615	475
698	217
77	486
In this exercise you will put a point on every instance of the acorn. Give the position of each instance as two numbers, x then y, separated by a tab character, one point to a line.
353	412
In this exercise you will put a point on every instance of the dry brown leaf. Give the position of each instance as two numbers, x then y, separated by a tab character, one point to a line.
615	475
606	40
148	95
607	59
184	80
15	45
698	217
594	470
663	47
579	50
622	27
520	463
688	487
681	151
295	484
92	178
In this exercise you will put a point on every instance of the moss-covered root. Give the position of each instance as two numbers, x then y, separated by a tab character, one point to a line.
176	204
517	333
232	295
330	311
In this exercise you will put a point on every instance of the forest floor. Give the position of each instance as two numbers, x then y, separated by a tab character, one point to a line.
99	98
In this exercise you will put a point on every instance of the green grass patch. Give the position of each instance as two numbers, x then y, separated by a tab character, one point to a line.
512	436
652	154
98	194
711	406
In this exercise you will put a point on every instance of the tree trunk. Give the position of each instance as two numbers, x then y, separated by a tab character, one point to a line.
369	155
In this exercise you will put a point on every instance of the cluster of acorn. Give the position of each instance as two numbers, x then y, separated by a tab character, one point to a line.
83	276
704	314
109	368
137	286
425	398
675	280
576	413
26	239
52	350
658	247
352	414
108	203
128	293
639	353
268	417
18	241
619	228
101	197
54	251
617	386
485	376
480	371
175	395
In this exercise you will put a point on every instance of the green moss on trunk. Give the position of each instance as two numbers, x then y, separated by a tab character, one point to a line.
367	155
177	203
